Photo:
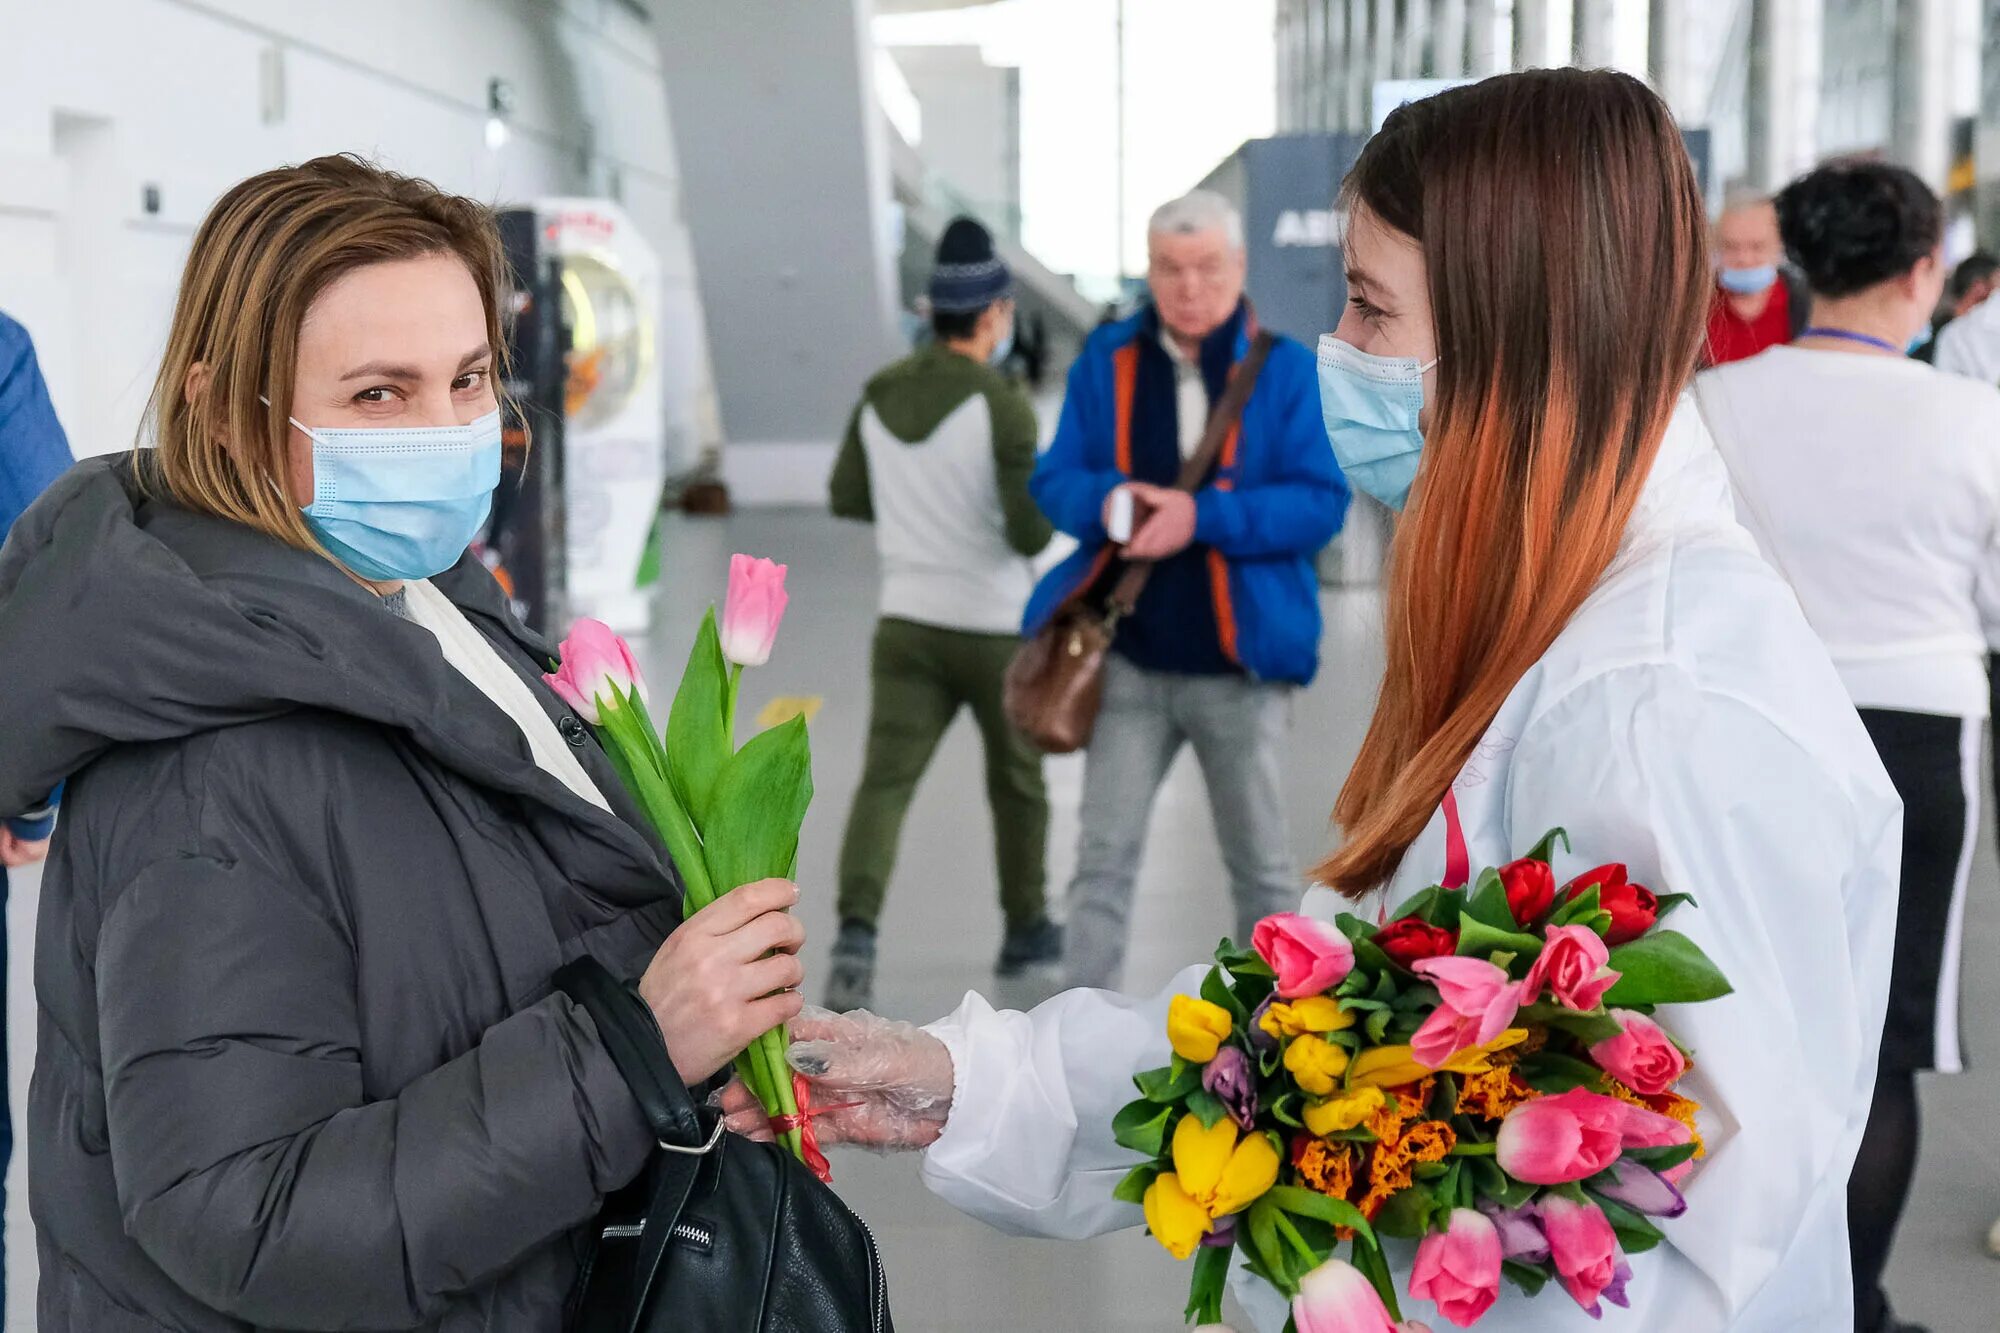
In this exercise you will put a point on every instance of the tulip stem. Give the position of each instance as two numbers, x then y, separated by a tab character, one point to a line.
1475	1149
729	703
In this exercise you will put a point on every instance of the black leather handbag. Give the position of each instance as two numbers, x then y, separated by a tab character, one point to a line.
718	1233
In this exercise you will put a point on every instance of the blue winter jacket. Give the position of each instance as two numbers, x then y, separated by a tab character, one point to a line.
33	453
1267	512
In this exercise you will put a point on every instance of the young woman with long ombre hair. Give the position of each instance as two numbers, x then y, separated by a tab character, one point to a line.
1578	634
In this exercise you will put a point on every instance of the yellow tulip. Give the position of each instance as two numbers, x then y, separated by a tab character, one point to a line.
1195	1028
1344	1112
1202	1155
1176	1221
1393	1066
1252	1170
1316	1064
1314	1013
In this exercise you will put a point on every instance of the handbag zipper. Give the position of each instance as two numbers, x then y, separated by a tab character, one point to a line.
878	1294
686	1232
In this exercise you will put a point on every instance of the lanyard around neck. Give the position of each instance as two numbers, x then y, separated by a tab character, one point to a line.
1816	331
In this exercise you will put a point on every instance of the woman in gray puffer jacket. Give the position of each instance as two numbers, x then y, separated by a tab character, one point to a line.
327	835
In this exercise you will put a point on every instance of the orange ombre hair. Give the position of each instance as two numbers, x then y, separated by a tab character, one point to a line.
1566	246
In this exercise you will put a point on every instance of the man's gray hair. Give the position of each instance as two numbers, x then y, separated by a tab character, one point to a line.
1197	211
1738	198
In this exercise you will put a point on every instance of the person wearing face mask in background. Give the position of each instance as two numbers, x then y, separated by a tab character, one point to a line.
328	834
1229	622
1578	634
1872	482
937	456
1759	303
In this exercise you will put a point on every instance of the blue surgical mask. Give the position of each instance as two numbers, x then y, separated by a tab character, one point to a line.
1748	281
1004	348
1918	339
402	503
1370	405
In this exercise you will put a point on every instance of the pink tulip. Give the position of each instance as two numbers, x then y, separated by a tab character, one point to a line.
756	604
595	663
1642	1057
1650	1129
1309	956
1459	1268
1585	1250
1336	1298
1572	964
1479	1003
1554	1140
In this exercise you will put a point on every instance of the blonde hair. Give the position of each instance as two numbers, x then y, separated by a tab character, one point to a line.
269	247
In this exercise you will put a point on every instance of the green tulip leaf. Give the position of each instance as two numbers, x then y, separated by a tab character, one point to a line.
1137	1181
698	727
1664	967
760	802
1545	850
1142	1127
1476	939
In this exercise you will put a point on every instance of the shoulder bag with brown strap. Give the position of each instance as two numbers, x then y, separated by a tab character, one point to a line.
1055	683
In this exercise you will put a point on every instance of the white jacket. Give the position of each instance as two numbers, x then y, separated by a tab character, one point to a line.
1687	722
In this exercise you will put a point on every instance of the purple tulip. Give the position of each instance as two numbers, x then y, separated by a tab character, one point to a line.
1521	1236
1233	1082
1222	1235
1615	1293
1259	1038
1644	1190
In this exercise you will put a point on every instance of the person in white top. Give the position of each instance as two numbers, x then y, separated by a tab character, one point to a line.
1580	634
1872	482
1968	344
937	457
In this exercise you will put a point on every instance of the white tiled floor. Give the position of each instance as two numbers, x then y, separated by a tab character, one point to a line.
942	927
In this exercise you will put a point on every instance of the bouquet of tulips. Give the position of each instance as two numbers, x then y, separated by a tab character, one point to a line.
1481	1074
728	816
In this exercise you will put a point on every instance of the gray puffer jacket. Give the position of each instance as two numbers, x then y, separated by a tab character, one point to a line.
300	1066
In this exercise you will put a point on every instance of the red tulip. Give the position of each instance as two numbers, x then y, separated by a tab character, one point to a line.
1634	908
1411	940
1531	889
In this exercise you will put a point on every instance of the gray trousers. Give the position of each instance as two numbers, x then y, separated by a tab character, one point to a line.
1237	728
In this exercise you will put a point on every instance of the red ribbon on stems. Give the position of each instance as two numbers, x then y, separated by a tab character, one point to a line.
809	1151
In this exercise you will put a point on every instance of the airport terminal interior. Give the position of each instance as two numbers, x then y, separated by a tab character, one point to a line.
720	221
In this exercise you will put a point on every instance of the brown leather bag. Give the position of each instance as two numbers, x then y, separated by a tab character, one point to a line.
1055	684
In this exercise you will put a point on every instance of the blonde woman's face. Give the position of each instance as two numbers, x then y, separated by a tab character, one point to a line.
391	346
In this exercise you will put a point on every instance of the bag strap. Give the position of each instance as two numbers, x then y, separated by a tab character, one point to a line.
632	1038
1222	425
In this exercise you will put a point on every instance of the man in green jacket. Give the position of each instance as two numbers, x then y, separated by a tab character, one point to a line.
937	456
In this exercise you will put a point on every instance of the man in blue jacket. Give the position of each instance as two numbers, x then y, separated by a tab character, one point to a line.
33	453
1229	624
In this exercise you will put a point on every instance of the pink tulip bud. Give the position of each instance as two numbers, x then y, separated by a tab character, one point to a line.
1336	1298
1586	1253
1642	1056
1553	1140
597	666
1573	965
1459	1268
1309	956
756	604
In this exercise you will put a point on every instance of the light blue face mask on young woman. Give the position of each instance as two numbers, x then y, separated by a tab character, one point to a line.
402	503
1370	405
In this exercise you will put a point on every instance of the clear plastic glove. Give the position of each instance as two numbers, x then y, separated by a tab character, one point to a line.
892	1082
